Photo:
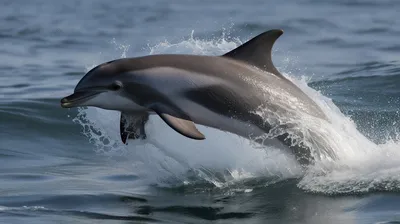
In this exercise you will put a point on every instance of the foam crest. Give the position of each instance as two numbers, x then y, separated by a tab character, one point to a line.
361	166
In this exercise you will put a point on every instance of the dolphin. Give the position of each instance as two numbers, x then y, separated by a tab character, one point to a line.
221	92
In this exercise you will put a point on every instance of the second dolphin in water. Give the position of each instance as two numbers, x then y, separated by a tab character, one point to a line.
221	92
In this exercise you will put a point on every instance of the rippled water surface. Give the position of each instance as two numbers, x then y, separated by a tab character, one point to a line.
68	165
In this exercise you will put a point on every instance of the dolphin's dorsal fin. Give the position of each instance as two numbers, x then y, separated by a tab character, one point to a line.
257	51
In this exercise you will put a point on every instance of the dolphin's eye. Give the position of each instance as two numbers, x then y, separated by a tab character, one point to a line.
116	86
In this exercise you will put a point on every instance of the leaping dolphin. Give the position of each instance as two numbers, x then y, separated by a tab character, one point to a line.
221	92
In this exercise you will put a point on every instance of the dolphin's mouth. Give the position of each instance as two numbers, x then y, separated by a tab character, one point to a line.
78	98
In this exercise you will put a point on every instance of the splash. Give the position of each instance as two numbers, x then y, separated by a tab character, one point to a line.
196	46
362	166
122	47
223	160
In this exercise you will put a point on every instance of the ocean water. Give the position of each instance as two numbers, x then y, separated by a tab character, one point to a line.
68	165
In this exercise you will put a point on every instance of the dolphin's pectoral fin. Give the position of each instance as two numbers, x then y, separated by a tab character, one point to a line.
257	51
132	126
185	127
182	126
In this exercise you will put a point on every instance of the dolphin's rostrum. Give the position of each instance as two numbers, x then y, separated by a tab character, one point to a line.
185	90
